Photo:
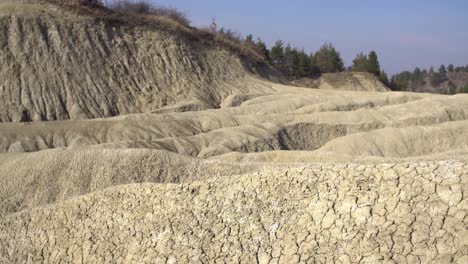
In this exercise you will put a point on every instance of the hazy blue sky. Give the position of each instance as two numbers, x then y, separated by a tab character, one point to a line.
405	33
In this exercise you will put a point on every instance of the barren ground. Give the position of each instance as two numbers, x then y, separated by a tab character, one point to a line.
182	155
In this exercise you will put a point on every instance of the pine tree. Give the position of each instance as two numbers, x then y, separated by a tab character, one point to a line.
303	64
249	40
437	78
417	78
295	62
314	69
464	89
450	68
328	59
401	81
384	78
373	64
360	63
262	49
443	71
393	84
451	88
291	61
277	55
370	64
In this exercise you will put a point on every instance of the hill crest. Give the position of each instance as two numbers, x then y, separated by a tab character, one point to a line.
59	64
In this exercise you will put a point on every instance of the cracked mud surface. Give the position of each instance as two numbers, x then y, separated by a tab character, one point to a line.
178	153
403	213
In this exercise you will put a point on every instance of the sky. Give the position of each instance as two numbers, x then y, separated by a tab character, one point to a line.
404	33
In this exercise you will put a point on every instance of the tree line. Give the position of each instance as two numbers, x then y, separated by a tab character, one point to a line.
407	80
296	63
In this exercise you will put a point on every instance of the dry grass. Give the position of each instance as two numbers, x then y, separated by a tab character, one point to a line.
143	7
142	13
232	40
94	3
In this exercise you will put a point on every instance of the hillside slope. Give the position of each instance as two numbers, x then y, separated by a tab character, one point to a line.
458	79
58	64
346	81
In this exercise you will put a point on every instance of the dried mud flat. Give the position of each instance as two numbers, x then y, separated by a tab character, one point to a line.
218	167
264	182
405	213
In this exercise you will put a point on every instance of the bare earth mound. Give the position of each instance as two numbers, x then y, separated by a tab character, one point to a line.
163	149
58	65
348	81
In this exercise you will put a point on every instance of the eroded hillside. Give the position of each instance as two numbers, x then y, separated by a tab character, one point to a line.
161	149
58	64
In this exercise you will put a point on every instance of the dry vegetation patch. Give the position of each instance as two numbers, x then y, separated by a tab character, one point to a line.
142	7
148	14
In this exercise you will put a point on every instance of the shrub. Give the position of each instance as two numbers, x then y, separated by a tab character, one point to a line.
234	41
91	2
78	2
143	7
229	35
